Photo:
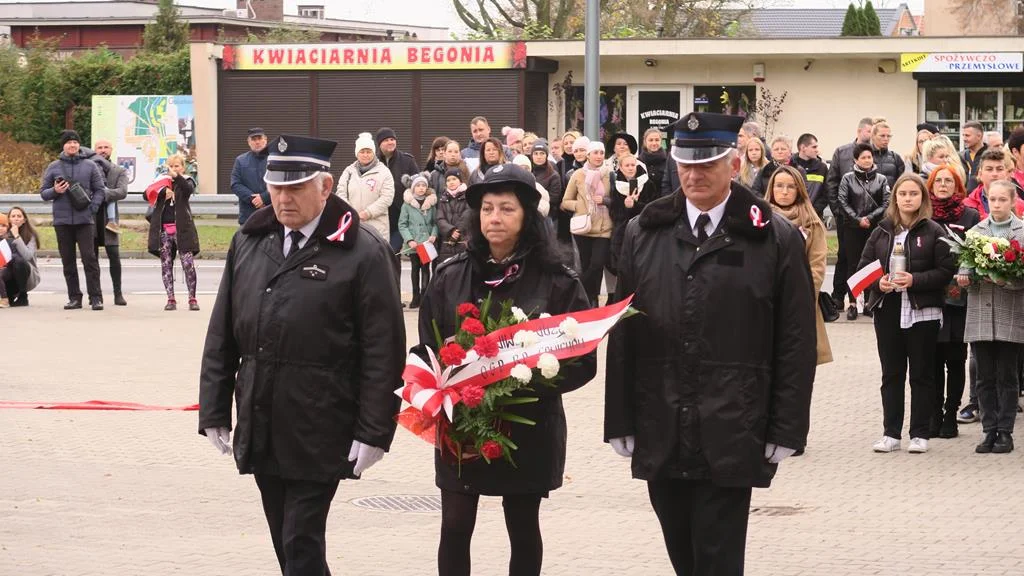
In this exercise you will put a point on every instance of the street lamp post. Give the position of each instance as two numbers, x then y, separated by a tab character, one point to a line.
592	72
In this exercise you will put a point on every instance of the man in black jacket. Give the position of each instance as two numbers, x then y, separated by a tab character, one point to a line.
974	147
307	335
400	164
707	412
815	171
107	230
842	162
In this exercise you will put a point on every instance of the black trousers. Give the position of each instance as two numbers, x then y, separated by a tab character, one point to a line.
15	276
897	348
458	519
704	525
420	276
997	384
854	240
296	512
594	253
82	235
840	275
114	261
950	376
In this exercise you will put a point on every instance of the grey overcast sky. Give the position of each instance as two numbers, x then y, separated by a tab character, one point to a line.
441	13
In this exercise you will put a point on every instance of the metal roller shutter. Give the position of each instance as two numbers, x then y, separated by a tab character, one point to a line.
451	99
352	102
278	102
536	103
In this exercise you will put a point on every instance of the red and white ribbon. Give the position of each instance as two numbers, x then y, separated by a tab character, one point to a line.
756	217
429	388
509	272
344	223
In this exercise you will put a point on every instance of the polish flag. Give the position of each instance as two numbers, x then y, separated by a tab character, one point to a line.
5	253
427	252
153	190
865	277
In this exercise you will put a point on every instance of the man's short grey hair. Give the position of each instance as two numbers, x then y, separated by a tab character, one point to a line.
990	135
782	138
752	129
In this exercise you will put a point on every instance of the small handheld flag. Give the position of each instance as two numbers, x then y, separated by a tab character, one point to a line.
153	190
5	253
865	277
427	252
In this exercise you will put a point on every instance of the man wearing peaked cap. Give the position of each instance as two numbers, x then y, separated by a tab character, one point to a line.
739	401
307	339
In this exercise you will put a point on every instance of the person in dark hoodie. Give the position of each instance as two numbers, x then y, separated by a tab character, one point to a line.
863	197
815	171
547	176
453	214
75	223
653	156
400	164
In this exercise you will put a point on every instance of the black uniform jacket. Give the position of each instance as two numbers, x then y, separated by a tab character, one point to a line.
311	347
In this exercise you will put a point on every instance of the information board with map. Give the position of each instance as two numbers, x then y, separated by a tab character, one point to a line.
144	131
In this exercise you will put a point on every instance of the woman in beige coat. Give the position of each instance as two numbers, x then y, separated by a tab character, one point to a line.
368	186
787	194
589	192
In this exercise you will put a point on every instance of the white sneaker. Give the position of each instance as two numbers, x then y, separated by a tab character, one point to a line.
918	446
886	444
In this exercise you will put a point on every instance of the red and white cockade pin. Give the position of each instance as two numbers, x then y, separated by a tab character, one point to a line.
344	223
755	217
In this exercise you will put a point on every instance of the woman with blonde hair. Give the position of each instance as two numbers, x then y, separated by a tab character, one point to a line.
172	230
907	303
787	193
915	158
753	161
940	151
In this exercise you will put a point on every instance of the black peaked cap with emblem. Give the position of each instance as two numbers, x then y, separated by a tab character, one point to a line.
701	137
296	159
506	178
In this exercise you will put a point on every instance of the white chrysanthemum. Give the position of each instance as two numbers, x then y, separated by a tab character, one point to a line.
988	249
519	315
548	365
525	338
1003	243
522	373
545	315
570	327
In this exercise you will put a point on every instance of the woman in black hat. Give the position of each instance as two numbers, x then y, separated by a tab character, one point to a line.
618	146
511	257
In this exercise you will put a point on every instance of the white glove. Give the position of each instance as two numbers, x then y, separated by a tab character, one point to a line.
220	438
623	446
364	456
776	454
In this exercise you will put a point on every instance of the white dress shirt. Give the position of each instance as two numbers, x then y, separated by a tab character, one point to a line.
306	230
716	214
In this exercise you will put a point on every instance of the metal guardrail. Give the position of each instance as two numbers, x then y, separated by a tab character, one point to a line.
202	204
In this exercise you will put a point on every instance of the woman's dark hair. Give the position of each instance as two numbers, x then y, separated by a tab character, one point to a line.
535	238
860	148
27	230
439	142
484	165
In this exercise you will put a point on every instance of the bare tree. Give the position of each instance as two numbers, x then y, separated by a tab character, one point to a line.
560	19
971	12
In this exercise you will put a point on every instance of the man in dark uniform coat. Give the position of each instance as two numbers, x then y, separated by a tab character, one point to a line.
307	336
710	388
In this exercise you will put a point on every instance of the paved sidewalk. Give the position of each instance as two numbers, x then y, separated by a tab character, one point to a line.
131	493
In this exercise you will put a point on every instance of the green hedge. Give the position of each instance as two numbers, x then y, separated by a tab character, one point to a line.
38	89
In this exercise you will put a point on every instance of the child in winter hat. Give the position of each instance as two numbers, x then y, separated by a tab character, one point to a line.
365	141
453	181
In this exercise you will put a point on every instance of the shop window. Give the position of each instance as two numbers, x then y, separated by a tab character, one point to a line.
1013	109
736	100
998	109
612	106
982	105
312	12
942	108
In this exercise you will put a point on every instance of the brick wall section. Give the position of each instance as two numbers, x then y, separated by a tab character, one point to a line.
265	9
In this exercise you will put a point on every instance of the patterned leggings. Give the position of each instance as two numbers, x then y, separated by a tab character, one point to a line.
168	245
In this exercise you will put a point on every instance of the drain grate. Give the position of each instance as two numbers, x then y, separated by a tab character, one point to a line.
414	504
775	511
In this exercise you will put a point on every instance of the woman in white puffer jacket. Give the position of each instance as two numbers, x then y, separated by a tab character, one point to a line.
368	186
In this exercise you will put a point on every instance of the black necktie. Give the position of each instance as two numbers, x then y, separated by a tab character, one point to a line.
296	237
702	227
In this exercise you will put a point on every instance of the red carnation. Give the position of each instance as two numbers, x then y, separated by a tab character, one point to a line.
491	450
1015	245
468	309
452	354
472	396
1009	256
473	326
486	347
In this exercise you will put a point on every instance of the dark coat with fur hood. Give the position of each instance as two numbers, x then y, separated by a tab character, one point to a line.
310	347
722	359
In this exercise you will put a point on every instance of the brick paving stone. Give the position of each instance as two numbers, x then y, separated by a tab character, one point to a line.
128	493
